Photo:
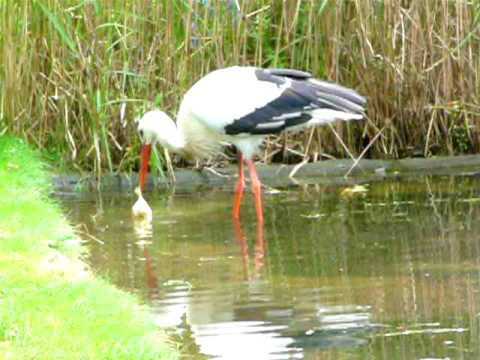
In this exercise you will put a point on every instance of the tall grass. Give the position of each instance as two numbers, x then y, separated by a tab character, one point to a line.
75	74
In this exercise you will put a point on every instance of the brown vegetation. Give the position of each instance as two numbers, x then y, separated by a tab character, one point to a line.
75	74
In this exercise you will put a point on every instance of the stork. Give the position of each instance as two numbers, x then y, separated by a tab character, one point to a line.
241	106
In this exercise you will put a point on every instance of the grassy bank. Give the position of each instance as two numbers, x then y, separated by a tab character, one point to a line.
75	73
51	308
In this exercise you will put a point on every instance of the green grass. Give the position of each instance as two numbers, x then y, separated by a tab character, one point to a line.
50	307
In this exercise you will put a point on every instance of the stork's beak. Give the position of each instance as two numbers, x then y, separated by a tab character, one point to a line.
145	158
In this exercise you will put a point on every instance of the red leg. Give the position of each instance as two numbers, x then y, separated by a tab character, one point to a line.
239	188
257	190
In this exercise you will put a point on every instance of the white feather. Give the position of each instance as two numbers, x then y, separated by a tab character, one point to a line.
270	124
325	116
215	101
287	116
247	144
159	127
225	95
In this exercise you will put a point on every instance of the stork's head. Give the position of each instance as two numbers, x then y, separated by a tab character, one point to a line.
155	127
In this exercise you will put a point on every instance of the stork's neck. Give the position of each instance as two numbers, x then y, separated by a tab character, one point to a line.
175	139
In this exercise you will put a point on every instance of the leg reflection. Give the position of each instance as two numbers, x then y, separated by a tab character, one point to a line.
150	272
143	233
259	250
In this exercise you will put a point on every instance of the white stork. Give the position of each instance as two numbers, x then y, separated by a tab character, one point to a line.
241	106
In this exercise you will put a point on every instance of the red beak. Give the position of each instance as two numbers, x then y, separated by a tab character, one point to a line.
145	158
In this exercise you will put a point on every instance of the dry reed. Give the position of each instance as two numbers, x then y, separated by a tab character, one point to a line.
75	74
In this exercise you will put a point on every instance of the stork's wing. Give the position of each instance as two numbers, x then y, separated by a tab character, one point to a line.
303	101
290	73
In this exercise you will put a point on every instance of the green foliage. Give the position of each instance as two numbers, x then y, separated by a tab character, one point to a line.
461	139
56	21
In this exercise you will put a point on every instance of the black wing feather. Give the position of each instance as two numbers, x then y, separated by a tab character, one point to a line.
290	73
292	107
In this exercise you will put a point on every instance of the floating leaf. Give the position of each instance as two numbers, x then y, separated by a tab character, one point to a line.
354	190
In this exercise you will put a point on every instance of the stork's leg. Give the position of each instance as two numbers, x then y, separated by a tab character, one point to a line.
257	190
239	188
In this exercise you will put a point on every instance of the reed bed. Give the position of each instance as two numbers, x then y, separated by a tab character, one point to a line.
75	74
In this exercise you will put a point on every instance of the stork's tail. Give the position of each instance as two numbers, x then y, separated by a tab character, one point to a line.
335	102
337	97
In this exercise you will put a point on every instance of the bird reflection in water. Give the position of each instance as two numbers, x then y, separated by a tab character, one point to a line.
143	233
259	249
185	332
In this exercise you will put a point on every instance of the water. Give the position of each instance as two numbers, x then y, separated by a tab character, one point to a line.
389	272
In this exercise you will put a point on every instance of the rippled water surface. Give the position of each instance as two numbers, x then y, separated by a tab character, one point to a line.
388	272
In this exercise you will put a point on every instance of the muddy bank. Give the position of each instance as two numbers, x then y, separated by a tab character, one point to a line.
330	172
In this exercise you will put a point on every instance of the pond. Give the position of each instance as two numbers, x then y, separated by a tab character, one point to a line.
388	269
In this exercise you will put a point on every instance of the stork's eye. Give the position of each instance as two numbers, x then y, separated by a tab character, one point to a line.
140	132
